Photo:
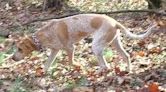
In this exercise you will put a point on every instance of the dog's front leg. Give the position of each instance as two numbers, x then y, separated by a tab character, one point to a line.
70	52
51	59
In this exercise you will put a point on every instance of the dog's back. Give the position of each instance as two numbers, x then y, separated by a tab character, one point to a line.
82	25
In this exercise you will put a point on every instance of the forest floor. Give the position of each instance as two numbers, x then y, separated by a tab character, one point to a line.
148	61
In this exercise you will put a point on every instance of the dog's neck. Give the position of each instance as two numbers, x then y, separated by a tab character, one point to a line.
37	43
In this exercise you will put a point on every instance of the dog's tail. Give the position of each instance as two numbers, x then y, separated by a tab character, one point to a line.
135	36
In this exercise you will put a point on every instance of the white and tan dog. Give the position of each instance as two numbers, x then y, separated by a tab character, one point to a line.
63	33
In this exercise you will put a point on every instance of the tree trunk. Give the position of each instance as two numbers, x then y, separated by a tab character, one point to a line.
57	4
154	4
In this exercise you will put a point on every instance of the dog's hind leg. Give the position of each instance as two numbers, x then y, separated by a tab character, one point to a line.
98	47
98	51
100	39
118	46
51	59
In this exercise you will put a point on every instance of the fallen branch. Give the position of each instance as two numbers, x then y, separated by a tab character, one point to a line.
82	12
110	12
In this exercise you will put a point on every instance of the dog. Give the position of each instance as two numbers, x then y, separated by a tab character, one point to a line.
63	33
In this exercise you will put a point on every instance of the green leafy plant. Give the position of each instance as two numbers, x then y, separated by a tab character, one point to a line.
108	53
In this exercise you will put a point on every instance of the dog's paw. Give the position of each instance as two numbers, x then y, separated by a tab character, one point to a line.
129	69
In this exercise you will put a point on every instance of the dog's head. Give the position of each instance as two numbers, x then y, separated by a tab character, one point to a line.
25	46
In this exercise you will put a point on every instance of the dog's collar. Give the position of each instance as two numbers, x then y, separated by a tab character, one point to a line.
37	43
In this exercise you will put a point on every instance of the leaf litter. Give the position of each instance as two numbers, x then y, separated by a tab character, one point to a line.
148	64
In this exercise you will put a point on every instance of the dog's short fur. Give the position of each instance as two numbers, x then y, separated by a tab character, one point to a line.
63	33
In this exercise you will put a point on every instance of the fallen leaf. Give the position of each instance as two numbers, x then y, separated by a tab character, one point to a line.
141	43
117	70
77	68
39	72
153	87
35	58
141	53
155	50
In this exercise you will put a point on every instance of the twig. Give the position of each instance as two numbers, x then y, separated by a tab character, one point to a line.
109	12
82	12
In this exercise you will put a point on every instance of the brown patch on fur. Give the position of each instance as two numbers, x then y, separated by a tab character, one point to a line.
62	32
78	35
110	35
75	18
46	34
46	38
96	22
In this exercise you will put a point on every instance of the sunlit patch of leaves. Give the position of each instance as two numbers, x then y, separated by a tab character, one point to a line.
106	5
36	3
